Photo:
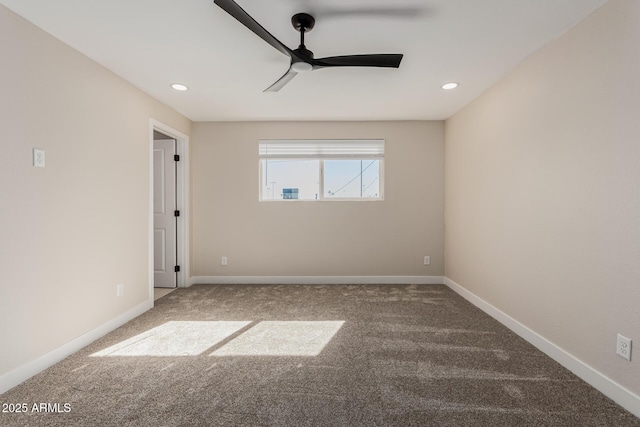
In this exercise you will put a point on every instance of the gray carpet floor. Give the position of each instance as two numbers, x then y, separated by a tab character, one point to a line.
303	355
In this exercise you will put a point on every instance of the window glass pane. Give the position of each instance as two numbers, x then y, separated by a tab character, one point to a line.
290	179
352	179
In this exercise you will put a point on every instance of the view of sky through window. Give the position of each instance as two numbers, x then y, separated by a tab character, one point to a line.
300	174
338	169
351	178
347	179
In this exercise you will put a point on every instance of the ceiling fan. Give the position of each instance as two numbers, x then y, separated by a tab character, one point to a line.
301	58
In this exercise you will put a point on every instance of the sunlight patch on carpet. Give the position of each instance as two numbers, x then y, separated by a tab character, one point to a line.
175	338
280	338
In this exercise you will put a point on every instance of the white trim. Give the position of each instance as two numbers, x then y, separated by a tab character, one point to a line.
317	280
182	201
616	392
29	369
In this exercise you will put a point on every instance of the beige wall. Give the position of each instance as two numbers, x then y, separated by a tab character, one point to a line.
73	230
542	192
388	238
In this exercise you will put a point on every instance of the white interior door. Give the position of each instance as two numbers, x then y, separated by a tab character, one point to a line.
164	219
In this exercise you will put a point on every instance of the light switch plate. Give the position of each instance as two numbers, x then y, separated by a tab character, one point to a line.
38	157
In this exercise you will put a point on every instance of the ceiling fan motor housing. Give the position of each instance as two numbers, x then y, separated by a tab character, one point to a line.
303	52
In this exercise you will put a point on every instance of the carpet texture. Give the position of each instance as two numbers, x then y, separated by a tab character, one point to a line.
303	355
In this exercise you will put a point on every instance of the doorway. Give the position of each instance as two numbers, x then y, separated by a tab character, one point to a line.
165	212
168	208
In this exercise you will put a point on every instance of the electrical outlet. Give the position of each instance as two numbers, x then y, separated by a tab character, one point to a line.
119	289
223	261
623	347
427	260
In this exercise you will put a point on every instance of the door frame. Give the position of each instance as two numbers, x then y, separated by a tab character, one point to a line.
182	202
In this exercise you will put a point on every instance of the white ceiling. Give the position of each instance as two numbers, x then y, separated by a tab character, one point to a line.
153	43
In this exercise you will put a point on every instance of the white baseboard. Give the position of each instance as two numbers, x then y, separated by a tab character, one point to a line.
317	280
616	392
29	369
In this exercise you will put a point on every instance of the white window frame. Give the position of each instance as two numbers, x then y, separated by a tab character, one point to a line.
376	147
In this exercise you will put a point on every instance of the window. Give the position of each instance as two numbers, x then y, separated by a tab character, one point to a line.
321	169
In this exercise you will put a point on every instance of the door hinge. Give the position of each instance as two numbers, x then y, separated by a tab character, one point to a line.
176	213
176	268
176	157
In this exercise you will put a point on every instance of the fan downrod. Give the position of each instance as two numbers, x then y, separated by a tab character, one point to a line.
303	22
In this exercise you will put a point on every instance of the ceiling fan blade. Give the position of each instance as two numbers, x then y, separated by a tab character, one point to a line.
390	60
232	8
282	81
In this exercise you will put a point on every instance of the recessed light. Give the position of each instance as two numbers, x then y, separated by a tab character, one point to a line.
178	86
449	86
